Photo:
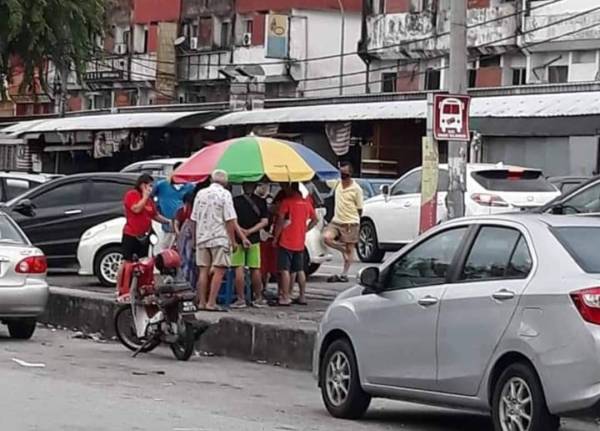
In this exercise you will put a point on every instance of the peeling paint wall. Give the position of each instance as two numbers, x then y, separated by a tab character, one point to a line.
554	30
395	30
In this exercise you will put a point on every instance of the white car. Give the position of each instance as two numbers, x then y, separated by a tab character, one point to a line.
391	220
156	168
99	251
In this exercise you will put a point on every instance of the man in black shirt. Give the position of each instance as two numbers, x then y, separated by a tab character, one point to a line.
252	216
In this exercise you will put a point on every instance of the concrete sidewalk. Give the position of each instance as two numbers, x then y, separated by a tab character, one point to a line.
277	335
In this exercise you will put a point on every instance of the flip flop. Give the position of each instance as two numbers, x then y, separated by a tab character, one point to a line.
283	304
298	302
216	310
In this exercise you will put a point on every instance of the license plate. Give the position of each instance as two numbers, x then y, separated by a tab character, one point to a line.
188	307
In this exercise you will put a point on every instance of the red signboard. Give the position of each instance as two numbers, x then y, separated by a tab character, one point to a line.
451	117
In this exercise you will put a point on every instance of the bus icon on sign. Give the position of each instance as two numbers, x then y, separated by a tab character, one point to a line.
451	117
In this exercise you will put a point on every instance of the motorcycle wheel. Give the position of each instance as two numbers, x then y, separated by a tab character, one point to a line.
125	330
184	346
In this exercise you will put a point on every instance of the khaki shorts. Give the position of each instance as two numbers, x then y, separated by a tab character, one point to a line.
344	233
215	256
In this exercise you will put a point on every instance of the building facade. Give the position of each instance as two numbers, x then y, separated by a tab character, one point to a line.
253	49
510	43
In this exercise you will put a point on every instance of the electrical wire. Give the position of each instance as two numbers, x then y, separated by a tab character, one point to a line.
382	48
527	46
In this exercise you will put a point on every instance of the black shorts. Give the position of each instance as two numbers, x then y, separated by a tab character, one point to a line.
131	246
288	260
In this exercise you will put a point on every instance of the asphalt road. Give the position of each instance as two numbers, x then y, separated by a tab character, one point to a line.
93	386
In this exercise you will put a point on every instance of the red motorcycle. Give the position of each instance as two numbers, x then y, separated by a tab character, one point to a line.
157	309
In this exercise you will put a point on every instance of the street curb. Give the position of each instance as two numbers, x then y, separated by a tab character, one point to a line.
239	337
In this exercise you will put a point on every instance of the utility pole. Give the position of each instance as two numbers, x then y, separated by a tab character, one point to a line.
457	150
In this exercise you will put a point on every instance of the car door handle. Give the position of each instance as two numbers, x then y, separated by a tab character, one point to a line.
407	204
72	212
503	295
427	301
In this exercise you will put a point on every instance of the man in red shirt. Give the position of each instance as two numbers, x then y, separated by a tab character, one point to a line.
139	213
294	215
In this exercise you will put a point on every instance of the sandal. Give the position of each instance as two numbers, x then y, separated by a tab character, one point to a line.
333	279
217	309
298	302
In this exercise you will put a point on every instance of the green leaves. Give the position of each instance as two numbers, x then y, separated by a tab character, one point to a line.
35	31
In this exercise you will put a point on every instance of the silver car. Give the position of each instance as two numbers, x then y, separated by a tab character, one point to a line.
23	286
499	314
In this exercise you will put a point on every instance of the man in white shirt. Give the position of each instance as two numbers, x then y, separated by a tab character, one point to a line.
215	225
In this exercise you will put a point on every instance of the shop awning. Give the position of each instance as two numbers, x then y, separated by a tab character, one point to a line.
514	106
122	121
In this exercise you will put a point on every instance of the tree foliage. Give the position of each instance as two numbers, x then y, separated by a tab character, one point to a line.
38	31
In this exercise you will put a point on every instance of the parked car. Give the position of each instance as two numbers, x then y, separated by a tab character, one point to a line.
494	313
13	184
23	288
157	168
372	186
56	214
99	252
583	199
567	183
391	220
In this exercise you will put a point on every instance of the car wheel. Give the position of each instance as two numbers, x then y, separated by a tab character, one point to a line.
106	265
518	402
368	246
309	267
340	384
21	329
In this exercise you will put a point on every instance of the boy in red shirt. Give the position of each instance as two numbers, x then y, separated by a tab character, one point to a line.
294	215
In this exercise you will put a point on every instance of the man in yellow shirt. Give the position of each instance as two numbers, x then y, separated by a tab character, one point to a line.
342	233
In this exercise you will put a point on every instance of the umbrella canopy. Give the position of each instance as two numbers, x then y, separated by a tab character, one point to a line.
251	158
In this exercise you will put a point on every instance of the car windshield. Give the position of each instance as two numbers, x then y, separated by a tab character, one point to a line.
582	245
9	233
506	180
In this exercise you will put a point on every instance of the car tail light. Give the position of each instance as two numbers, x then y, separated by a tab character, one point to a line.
489	200
587	302
32	265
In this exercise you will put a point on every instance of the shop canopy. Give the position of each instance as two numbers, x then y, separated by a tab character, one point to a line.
121	121
520	107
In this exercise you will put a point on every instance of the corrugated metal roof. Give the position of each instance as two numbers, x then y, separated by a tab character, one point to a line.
519	106
137	120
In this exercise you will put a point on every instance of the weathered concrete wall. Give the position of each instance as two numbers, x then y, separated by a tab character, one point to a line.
431	30
236	336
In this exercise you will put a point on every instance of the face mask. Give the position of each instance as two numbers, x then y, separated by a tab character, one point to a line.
345	176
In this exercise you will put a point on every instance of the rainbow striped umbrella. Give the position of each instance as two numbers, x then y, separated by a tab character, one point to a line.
252	158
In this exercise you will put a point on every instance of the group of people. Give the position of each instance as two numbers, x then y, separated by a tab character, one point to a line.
214	232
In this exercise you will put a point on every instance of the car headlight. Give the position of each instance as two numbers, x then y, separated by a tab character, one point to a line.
92	232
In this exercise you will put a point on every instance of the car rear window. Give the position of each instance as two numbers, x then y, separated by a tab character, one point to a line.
9	232
582	245
505	180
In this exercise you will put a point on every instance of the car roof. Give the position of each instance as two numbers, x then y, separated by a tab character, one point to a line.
533	219
473	167
102	175
570	193
171	161
24	176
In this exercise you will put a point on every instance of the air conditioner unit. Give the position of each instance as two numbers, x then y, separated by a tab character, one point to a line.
193	43
121	48
247	39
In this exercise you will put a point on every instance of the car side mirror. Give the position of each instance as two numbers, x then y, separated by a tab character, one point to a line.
25	207
384	189
369	278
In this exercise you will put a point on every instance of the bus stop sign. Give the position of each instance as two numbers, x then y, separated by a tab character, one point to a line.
451	117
